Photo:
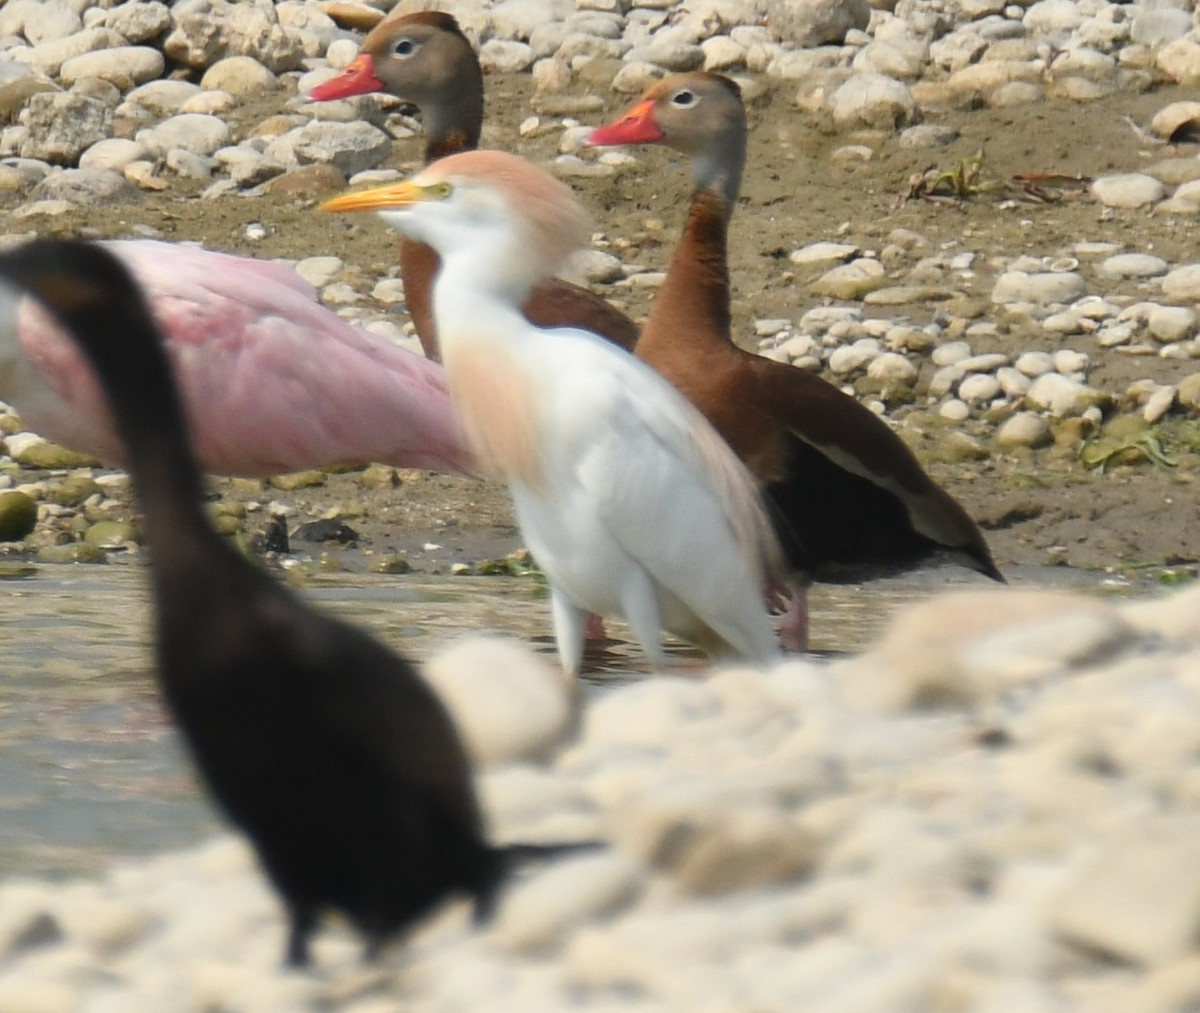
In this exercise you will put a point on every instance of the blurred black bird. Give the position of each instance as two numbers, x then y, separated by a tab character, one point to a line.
327	749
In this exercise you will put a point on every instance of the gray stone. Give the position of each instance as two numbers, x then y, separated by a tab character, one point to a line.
978	388
189	164
1042	288
54	21
139	21
1134	265
506	56
348	147
872	100
900	62
848	359
1060	395
201	135
1180	61
822	254
113	153
242	76
1052	17
49	57
851	281
892	368
1025	429
1171	323
803	24
163	98
86	186
928	135
206	31
124	66
1128	190
1182	284
63	125
1174	117
1157	25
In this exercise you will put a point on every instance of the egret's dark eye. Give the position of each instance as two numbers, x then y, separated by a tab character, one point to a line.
404	47
683	98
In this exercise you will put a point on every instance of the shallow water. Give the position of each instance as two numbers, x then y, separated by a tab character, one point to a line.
90	767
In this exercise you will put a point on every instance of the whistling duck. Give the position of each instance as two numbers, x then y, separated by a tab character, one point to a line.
271	380
329	751
850	499
628	499
424	58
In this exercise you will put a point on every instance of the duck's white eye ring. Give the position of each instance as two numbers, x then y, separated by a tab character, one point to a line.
684	98
404	47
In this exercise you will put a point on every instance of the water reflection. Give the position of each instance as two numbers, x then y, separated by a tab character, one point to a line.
91	767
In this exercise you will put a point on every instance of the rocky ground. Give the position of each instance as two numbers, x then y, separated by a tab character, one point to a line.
975	215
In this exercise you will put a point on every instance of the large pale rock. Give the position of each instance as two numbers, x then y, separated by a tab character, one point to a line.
86	186
199	134
124	66
163	98
1175	117
851	281
348	147
1052	17
1139	901
208	30
49	57
1182	284
139	21
113	153
1134	265
1040	287
537	913
802	24
1180	61
1060	395
242	76
1175	616
970	647
1025	429
54	20
508	703
872	100
1128	190
1171	323
822	254
1154	26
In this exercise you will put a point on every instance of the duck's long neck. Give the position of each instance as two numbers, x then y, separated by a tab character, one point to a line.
454	122
693	302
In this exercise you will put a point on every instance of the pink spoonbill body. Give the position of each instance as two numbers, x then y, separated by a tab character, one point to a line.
271	380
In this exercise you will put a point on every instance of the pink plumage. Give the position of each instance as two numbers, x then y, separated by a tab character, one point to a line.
271	380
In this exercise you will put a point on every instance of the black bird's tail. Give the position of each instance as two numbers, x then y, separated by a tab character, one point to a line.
508	858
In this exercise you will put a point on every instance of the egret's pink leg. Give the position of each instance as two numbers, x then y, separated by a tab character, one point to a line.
794	631
595	627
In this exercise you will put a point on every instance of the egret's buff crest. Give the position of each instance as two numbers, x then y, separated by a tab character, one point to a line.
555	224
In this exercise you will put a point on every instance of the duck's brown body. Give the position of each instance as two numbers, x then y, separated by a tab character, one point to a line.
424	58
849	498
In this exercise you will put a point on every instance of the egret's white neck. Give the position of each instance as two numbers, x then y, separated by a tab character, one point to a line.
478	296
